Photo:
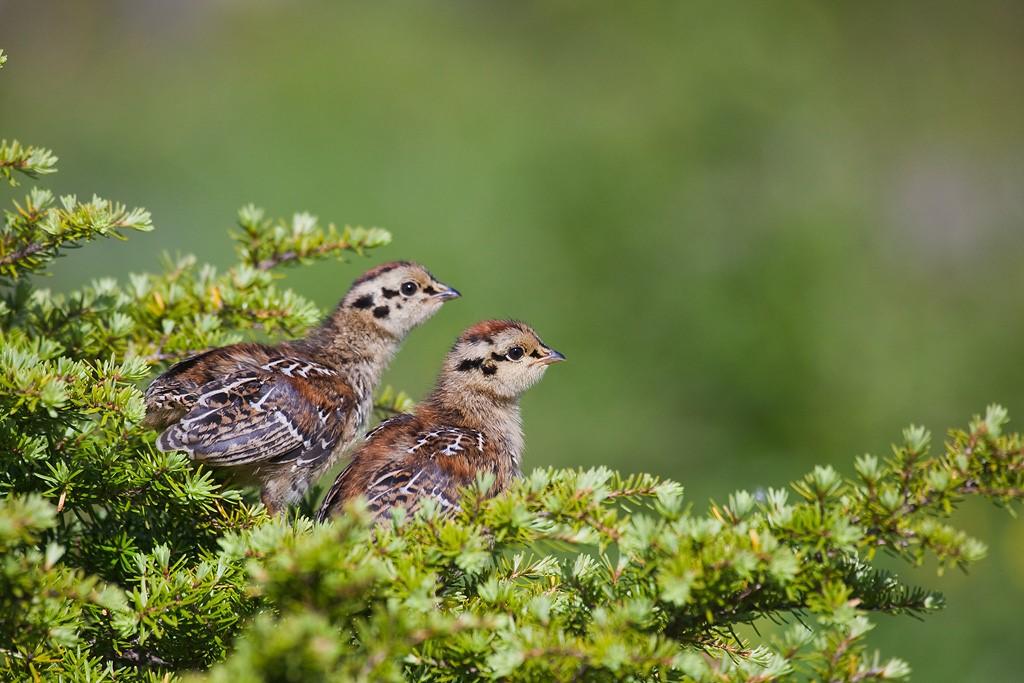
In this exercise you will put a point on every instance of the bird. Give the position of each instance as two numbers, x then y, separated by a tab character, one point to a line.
278	416
469	424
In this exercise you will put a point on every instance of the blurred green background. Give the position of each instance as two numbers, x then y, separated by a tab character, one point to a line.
766	235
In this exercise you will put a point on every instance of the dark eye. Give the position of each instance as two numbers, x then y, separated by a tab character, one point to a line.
515	353
409	288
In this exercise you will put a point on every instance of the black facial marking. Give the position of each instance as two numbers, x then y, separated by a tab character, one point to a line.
389	293
470	364
429	290
365	301
489	369
381	312
474	338
496	356
534	354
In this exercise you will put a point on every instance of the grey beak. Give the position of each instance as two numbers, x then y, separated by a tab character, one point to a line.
447	293
552	357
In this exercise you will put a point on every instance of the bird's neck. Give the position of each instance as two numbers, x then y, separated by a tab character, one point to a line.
498	418
348	340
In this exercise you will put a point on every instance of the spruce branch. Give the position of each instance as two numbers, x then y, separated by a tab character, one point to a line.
666	586
166	316
264	244
30	161
39	227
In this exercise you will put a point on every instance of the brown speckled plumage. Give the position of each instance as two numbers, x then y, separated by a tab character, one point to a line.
279	415
469	424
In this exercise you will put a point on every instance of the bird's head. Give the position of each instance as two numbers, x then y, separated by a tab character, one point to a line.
397	296
502	358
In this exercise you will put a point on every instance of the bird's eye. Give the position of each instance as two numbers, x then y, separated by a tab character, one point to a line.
515	353
409	288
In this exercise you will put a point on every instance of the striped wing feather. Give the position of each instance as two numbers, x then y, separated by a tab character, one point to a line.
284	410
401	472
407	487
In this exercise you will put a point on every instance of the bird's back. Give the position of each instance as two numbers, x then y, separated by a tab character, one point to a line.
176	391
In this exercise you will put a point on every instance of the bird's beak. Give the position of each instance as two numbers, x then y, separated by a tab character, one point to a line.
552	357
445	293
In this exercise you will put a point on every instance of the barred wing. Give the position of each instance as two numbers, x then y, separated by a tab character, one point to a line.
173	393
444	441
404	471
408	487
288	410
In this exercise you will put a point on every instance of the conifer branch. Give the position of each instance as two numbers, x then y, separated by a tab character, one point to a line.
35	232
264	244
30	161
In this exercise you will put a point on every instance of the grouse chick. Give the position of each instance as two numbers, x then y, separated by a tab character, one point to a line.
278	416
469	424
